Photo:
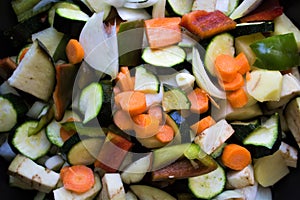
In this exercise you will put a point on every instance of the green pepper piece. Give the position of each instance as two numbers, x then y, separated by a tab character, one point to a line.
277	52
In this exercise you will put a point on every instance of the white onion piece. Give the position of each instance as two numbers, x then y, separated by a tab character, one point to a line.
139	4
202	78
129	14
244	8
100	47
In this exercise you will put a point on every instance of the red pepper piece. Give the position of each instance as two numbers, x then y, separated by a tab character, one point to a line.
207	24
267	11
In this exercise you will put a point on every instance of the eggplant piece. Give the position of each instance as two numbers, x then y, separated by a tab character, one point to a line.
181	169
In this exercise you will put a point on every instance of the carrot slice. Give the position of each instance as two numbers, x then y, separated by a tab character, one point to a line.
203	124
78	178
62	95
243	63
207	24
162	32
199	101
235	157
123	120
145	125
165	134
237	98
235	84
131	101
65	135
124	80
74	51
226	67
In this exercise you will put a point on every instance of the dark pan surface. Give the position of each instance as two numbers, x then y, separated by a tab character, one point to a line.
286	189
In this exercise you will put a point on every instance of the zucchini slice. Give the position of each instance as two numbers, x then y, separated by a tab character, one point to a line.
53	128
35	73
88	150
51	12
145	81
253	27
181	7
266	139
69	21
33	146
164	57
175	99
243	129
12	108
220	44
208	185
90	101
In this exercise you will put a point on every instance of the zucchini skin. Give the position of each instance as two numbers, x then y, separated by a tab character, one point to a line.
68	26
105	117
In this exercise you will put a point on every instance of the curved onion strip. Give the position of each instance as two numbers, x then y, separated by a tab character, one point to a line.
202	78
139	4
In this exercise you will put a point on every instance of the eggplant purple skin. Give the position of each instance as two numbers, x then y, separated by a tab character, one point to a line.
287	188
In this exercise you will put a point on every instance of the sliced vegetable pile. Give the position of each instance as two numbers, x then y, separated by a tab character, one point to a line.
155	99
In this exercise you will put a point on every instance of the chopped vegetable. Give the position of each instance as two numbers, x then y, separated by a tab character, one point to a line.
226	67
236	157
279	52
123	120
145	125
243	63
112	152
237	98
267	11
165	134
132	102
199	101
74	51
206	24
62	95
123	80
77	178
162	32
235	84
203	124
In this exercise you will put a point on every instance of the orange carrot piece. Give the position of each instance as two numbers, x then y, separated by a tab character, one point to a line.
199	101
74	51
22	53
203	124
123	120
235	84
63	172
226	67
165	134
62	95
145	125
65	135
237	98
78	178
157	112
162	32
207	24
124	80
236	157
131	101
243	63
